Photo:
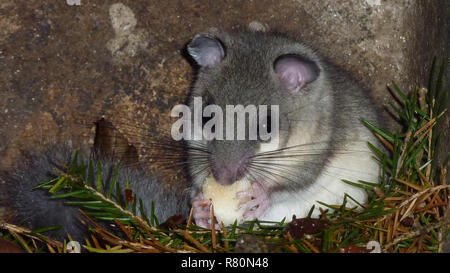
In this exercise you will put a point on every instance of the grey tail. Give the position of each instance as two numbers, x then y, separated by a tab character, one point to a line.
35	209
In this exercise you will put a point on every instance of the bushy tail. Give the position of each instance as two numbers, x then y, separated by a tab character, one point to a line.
34	208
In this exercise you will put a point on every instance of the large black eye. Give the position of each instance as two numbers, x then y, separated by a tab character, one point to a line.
207	100
264	127
267	124
206	119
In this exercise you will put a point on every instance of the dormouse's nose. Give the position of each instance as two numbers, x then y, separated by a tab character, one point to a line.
229	173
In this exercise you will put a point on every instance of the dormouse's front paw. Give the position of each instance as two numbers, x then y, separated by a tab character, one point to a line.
258	203
202	212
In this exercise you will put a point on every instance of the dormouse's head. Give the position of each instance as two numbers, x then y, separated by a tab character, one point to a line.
244	71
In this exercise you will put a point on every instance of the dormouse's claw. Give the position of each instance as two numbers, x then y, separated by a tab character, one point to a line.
202	212
201	203
257	206
249	205
243	194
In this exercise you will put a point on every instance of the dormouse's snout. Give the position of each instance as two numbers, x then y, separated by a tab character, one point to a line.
227	167
230	173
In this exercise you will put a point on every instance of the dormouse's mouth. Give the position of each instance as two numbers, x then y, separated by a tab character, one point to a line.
227	177
227	173
225	182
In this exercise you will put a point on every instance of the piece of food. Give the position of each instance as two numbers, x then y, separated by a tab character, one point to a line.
224	199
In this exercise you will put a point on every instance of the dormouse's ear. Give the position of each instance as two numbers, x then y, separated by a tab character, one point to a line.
295	71
206	50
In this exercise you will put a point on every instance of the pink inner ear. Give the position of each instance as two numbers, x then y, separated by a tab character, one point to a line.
293	73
